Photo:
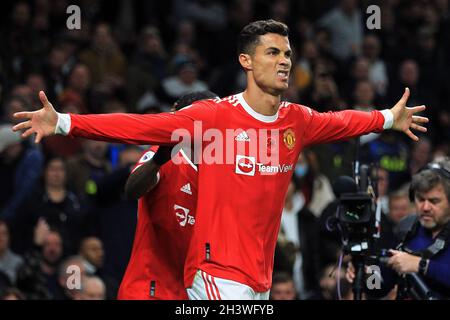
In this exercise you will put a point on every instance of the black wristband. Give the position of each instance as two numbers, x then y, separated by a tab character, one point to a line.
423	266
162	155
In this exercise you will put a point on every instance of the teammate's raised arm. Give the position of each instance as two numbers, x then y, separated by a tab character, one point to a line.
144	177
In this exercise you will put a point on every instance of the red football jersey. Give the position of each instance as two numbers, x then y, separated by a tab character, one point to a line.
166	216
240	199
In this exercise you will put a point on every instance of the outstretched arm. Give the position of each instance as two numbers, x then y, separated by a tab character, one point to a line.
332	126
156	129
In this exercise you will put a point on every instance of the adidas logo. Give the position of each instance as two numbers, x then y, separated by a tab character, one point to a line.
243	136
187	188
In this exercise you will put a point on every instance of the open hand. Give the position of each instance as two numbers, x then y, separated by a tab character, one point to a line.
405	119
42	122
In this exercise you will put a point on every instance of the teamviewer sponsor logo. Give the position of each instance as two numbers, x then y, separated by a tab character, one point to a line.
183	215
282	168
245	165
248	166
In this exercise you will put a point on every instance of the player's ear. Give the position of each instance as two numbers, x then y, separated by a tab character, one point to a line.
246	61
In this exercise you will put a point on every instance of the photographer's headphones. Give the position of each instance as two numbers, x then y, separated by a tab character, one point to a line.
442	239
433	166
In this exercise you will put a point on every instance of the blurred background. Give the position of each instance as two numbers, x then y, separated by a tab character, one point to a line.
62	202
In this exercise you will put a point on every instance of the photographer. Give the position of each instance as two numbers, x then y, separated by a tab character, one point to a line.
423	256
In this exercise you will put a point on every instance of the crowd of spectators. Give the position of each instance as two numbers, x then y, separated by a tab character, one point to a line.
62	202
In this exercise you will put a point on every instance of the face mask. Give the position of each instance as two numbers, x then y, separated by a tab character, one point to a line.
301	170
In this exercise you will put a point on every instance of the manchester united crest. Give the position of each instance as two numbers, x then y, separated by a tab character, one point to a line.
289	139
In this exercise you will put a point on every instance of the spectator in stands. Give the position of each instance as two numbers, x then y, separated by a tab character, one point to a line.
105	60
22	91
36	82
70	278
91	250
116	219
15	103
409	75
344	23
297	251
282	287
92	288
9	261
314	186
79	87
184	81
399	206
54	71
391	153
303	70
420	155
148	66
20	167
323	91
378	76
330	276
52	252
38	277
61	208
86	170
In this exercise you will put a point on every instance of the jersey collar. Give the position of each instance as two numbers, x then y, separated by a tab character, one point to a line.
253	113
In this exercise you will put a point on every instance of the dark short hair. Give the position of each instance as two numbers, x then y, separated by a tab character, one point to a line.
249	37
398	194
24	102
281	277
190	98
434	174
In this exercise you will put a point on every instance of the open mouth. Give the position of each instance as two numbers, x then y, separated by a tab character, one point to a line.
283	75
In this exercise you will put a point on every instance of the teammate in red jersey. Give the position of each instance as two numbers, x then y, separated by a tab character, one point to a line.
242	180
167	196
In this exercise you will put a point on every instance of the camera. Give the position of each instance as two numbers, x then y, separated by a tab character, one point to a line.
358	220
356	213
355	217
